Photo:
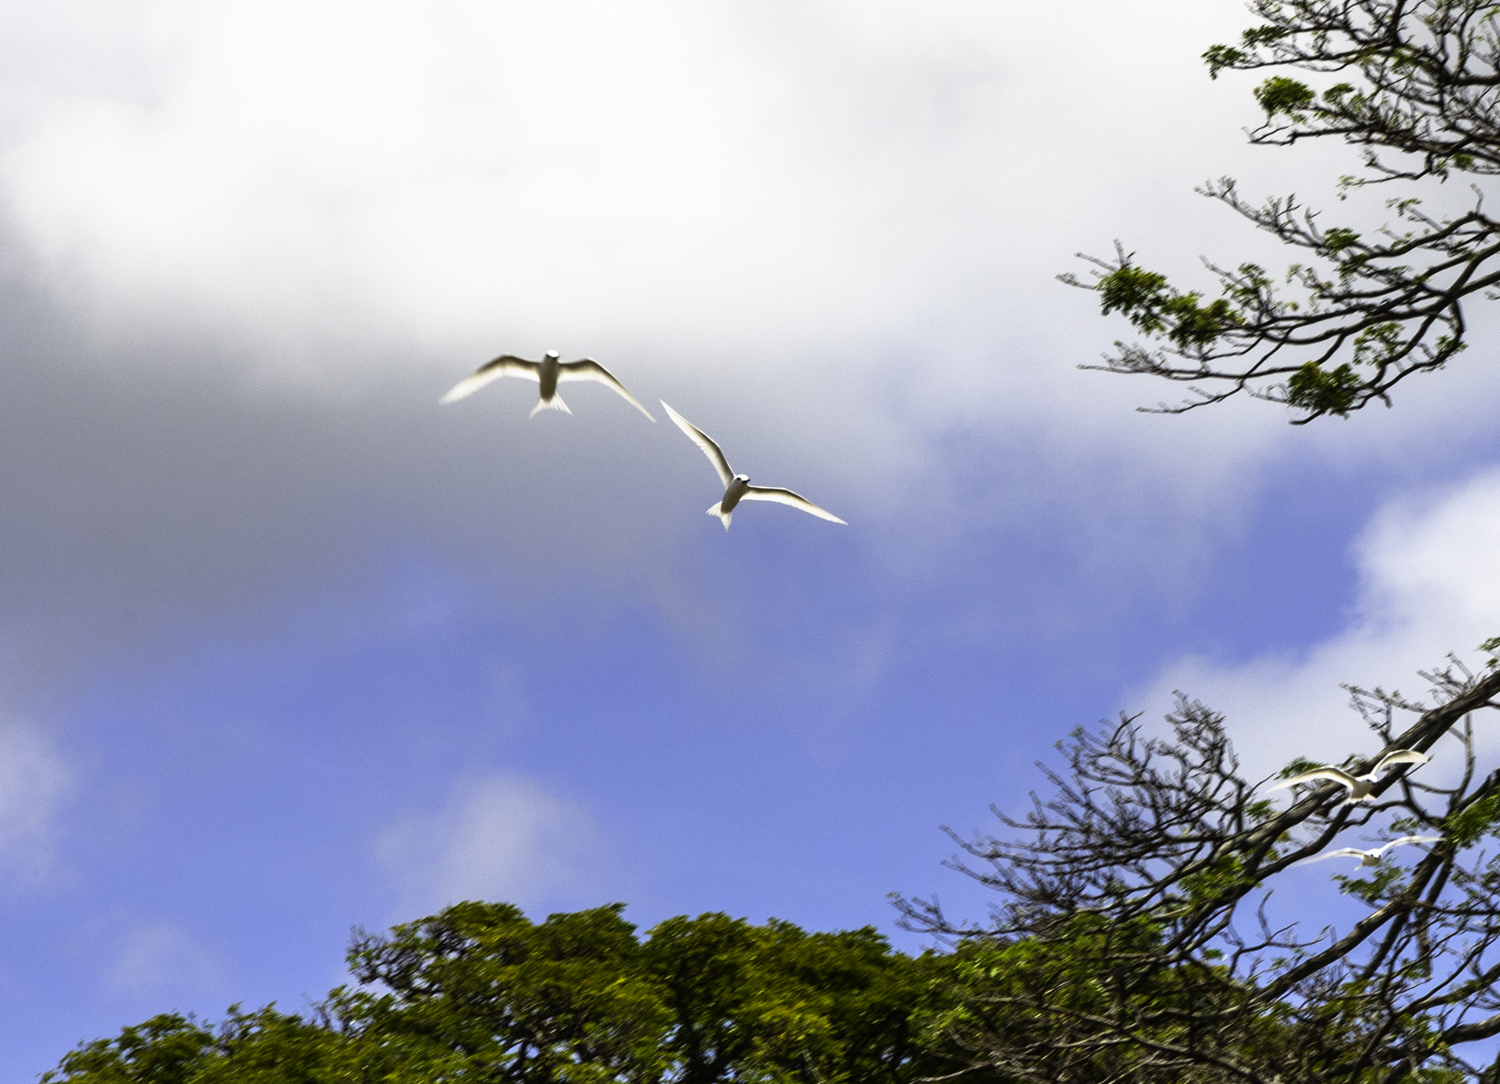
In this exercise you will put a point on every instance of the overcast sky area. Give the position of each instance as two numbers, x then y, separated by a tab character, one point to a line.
285	647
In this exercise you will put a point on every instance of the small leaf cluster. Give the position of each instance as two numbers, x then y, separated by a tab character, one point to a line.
1146	299
1278	95
1323	391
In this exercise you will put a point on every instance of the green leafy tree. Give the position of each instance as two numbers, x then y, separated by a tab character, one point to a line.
793	1005
166	1049
481	993
701	1000
265	1047
563	1000
1362	306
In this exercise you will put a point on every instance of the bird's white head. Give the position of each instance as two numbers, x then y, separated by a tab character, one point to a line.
742	478
553	355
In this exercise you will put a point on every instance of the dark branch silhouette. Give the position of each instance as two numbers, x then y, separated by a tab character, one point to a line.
1415	86
1135	937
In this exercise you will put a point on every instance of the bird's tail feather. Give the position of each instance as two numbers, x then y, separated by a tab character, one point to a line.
555	403
725	517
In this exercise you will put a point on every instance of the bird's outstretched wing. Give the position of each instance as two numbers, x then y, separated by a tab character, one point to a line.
504	365
589	369
786	496
1409	839
1342	852
1337	775
704	441
1399	756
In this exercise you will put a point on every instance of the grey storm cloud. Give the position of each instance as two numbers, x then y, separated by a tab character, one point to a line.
147	494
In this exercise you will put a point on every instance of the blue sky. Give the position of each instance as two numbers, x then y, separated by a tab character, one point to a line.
286	648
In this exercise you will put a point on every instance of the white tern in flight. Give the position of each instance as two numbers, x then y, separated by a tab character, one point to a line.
737	487
549	373
1373	856
1361	785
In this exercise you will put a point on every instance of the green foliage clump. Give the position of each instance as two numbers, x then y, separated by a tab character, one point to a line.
1152	306
1466	826
163	1050
1280	95
481	993
265	1047
1320	391
1338	239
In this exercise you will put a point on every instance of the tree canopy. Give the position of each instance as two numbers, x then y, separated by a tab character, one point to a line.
1415	86
481	993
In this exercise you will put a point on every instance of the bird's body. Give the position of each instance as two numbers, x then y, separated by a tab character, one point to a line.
1360	786
1372	856
548	373
737	487
548	370
734	492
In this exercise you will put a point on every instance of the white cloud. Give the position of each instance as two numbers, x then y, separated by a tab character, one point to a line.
137	957
860	203
498	838
1429	585
826	194
446	168
714	182
33	783
826	231
160	958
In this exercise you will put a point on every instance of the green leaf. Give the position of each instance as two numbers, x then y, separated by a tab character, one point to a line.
1338	239
1220	57
1152	306
1313	389
1279	94
1466	826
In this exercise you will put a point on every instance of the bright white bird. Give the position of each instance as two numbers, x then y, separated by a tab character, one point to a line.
549	373
1359	785
1373	856
737	487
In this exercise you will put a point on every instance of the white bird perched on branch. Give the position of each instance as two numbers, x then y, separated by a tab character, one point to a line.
737	487
549	373
1373	856
1359	785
